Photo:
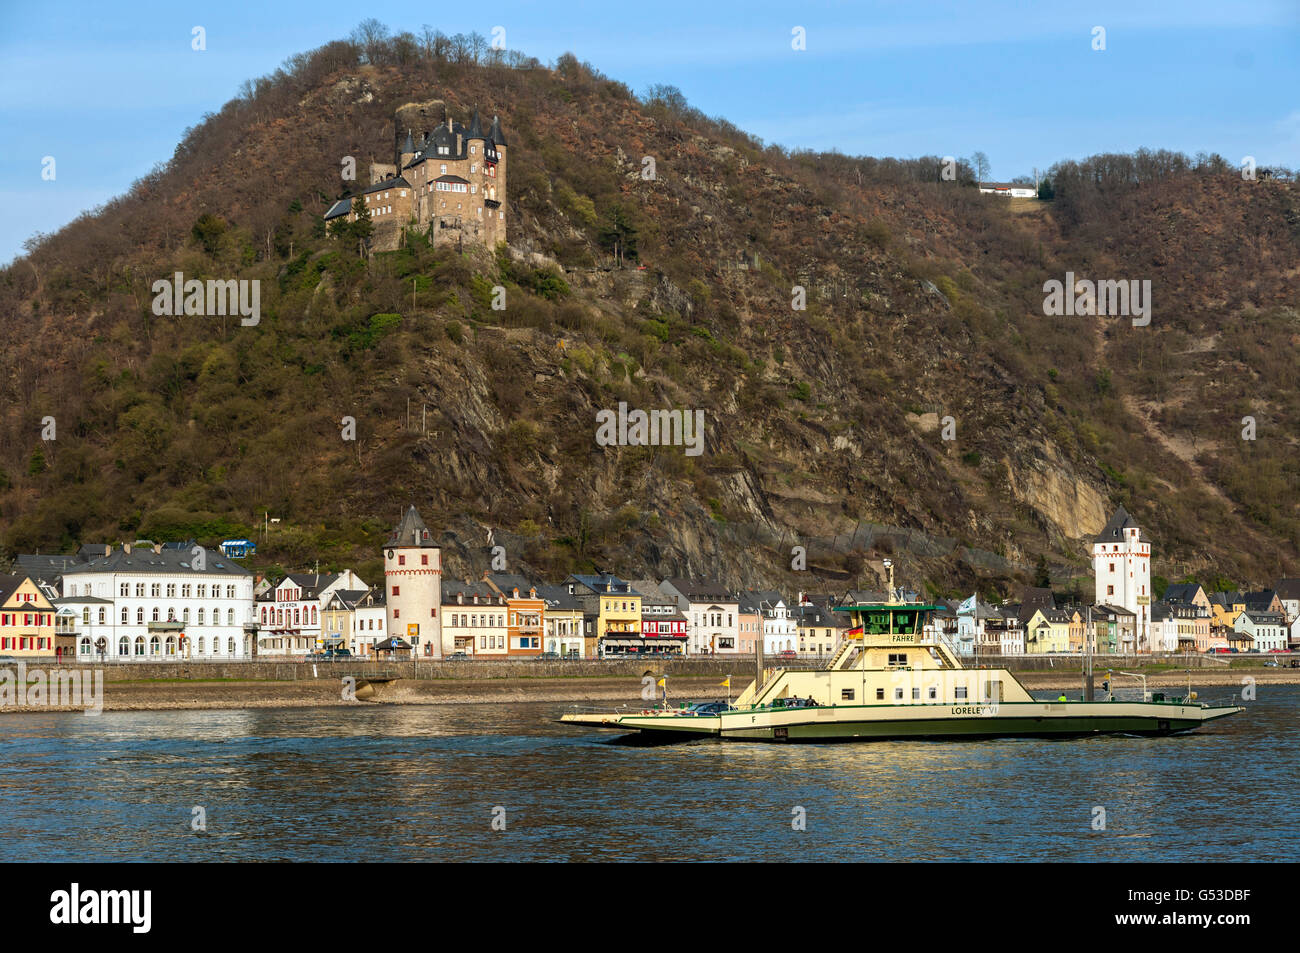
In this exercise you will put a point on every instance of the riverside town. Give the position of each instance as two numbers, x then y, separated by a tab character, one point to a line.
174	601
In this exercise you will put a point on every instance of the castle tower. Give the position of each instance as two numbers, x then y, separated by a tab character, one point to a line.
407	153
1121	564
413	580
495	200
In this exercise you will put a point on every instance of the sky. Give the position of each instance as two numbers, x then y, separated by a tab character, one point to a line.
107	92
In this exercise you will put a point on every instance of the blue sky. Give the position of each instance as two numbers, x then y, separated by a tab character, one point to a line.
109	92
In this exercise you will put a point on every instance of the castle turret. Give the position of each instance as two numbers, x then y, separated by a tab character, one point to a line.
407	153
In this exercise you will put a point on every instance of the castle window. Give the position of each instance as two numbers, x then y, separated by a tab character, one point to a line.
444	168
473	190
473	168
473	149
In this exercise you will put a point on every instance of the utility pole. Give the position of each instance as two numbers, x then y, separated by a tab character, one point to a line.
1087	664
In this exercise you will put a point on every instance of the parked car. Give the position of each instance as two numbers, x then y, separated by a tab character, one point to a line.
1270	663
788	653
457	657
548	656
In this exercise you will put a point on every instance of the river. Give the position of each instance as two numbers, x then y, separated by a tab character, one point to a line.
427	782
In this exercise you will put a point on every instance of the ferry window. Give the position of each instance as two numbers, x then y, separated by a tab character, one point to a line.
916	694
934	693
960	693
846	694
880	694
898	694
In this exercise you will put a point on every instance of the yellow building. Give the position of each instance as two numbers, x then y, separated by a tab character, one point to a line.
611	611
1050	630
1225	607
26	619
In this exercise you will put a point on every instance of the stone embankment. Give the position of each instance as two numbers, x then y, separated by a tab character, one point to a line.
267	684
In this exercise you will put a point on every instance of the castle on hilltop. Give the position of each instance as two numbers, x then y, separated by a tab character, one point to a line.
450	183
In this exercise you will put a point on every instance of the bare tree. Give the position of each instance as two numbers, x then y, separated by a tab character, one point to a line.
372	37
981	163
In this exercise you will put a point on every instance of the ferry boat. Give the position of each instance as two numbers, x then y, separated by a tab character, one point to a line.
894	676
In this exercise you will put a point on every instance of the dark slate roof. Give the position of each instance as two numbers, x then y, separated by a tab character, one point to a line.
341	207
1226	599
396	182
376	597
1032	599
558	597
47	566
1288	588
411	531
451	178
495	134
167	561
409	144
508	582
348	598
762	601
598	584
1260	617
475	127
81	600
812	615
1259	600
487	596
1112	532
8	584
311	583
1183	592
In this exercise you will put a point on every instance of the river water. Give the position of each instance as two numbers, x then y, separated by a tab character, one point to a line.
425	782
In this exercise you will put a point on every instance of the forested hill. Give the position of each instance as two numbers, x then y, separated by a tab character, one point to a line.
824	426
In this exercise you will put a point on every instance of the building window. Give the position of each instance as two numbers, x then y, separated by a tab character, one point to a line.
959	693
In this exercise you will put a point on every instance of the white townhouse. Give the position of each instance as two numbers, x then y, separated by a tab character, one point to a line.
780	629
289	615
712	615
1268	629
474	618
146	603
369	622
